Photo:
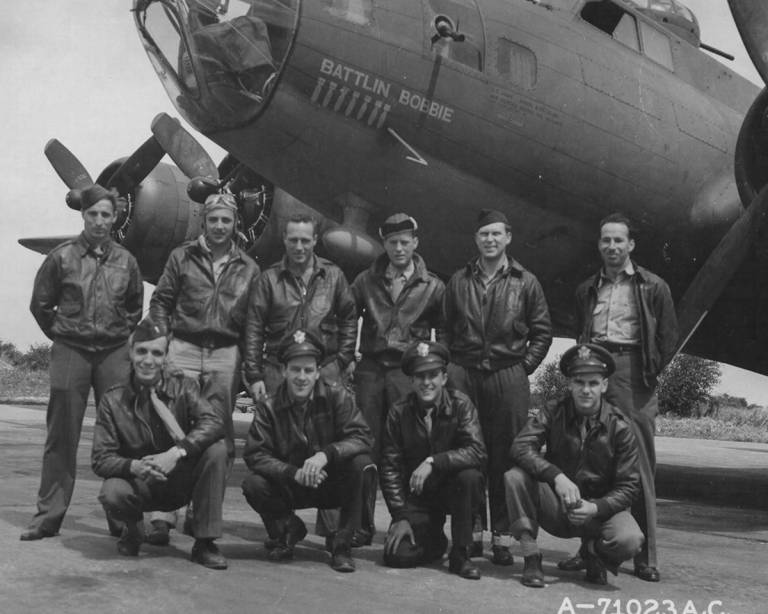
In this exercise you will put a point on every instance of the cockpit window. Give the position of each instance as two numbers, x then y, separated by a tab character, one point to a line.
656	46
218	59
358	12
613	20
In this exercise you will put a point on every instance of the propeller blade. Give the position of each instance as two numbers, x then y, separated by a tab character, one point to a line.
183	149
751	17
66	165
138	165
719	267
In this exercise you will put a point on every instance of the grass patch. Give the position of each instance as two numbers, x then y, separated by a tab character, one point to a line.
730	424
21	383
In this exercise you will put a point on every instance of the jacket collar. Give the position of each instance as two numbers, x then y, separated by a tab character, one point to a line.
200	246
602	417
283	399
419	267
319	266
83	246
443	406
640	273
513	267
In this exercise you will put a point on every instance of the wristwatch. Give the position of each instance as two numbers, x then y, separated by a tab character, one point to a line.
429	460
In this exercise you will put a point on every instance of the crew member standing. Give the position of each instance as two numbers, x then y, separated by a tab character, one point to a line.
202	298
87	299
498	331
629	311
400	303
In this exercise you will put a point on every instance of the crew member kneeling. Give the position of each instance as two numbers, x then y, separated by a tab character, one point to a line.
432	460
307	447
159	444
585	482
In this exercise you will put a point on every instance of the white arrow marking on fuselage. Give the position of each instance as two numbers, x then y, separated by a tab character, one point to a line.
416	157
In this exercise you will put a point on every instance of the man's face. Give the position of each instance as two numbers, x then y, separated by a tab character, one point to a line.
219	227
587	390
429	384
148	359
615	245
301	373
98	220
492	240
299	239
400	247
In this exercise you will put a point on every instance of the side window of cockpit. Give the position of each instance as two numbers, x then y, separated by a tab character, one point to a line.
516	63
358	12
613	20
656	46
467	47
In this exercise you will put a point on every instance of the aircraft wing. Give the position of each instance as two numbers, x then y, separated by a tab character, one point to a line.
43	245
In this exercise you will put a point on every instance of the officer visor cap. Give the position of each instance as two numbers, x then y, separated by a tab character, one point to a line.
587	358
424	356
300	343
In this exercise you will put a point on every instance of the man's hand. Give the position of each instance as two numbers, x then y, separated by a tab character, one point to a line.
146	469
312	473
567	491
419	476
397	532
166	461
582	513
258	390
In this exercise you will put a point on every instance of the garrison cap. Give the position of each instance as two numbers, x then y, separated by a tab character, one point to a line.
490	216
423	356
587	358
219	201
147	330
300	343
399	222
93	194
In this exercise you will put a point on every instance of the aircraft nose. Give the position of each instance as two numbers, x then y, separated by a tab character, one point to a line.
221	65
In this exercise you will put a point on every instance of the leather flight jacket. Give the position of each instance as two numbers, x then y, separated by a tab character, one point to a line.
283	434
128	427
658	321
278	306
455	443
389	327
88	301
603	465
197	307
517	328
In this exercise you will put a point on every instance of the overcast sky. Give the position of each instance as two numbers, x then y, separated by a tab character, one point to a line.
76	71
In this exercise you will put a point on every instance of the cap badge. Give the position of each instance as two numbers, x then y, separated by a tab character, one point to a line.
422	350
299	336
585	353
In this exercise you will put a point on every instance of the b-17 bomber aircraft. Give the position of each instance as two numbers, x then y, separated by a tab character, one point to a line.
557	112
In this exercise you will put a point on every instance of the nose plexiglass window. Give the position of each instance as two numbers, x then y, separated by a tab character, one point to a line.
218	59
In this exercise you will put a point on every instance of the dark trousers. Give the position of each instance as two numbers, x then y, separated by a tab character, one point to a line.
376	388
202	481
502	399
459	495
73	373
639	403
534	504
343	488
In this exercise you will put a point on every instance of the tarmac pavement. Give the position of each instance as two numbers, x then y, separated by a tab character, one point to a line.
714	559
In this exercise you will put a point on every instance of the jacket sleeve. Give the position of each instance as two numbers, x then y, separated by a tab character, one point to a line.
392	471
626	484
259	453
579	316
437	320
449	310
134	298
346	316
358	293
526	447
259	299
207	409
163	301
353	436
45	294
539	325
667	332
106	460
468	450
